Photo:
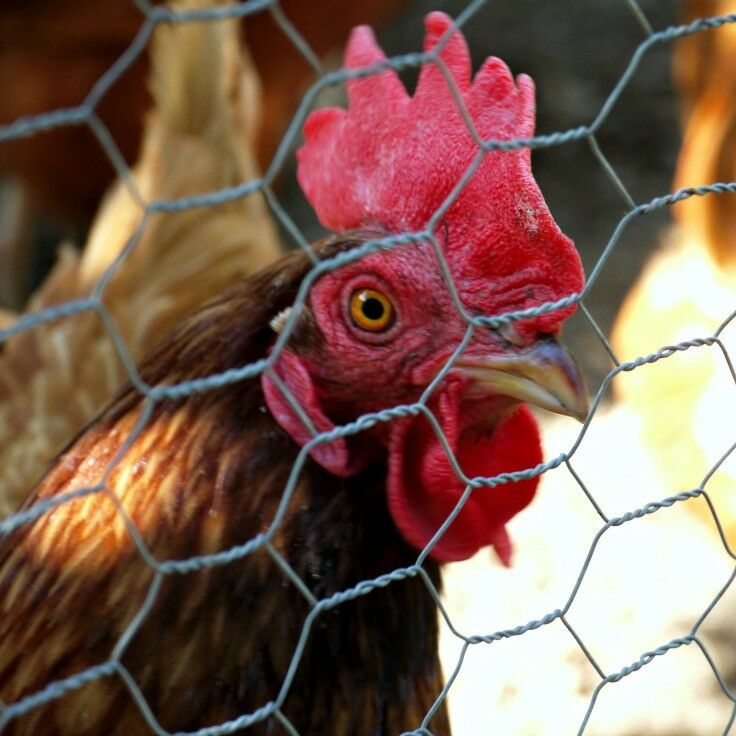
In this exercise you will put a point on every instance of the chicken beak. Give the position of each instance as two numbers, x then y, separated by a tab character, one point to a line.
543	374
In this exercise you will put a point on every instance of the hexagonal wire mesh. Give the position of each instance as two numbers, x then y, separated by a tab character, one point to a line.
85	114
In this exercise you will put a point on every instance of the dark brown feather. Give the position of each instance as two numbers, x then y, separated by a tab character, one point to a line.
206	473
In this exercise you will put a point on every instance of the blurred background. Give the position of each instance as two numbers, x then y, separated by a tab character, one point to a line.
659	431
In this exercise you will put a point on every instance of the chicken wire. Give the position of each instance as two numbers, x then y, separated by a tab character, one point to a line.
85	114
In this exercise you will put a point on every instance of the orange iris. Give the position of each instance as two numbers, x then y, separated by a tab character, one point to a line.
371	310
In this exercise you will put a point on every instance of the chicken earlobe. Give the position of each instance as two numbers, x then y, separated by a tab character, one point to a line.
335	456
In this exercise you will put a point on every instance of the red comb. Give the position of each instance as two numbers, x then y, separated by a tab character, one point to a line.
390	161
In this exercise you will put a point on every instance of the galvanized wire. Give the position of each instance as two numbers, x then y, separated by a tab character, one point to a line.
85	114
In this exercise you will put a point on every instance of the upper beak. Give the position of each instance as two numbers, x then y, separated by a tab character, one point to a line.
542	374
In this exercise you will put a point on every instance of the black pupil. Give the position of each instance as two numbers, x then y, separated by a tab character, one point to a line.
373	308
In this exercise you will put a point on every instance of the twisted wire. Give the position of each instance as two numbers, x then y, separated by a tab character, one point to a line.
85	114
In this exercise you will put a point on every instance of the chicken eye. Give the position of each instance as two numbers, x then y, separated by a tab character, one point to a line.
371	310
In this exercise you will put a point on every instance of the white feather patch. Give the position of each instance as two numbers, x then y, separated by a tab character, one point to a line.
278	322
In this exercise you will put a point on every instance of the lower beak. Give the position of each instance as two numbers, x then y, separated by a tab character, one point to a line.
543	374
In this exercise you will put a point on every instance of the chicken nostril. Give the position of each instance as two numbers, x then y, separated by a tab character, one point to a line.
509	333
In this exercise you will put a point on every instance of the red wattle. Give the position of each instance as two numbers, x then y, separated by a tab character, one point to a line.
423	489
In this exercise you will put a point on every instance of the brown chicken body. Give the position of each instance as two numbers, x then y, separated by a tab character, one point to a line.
205	475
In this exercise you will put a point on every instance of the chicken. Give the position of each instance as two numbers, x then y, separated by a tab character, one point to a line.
705	72
56	377
205	472
687	290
